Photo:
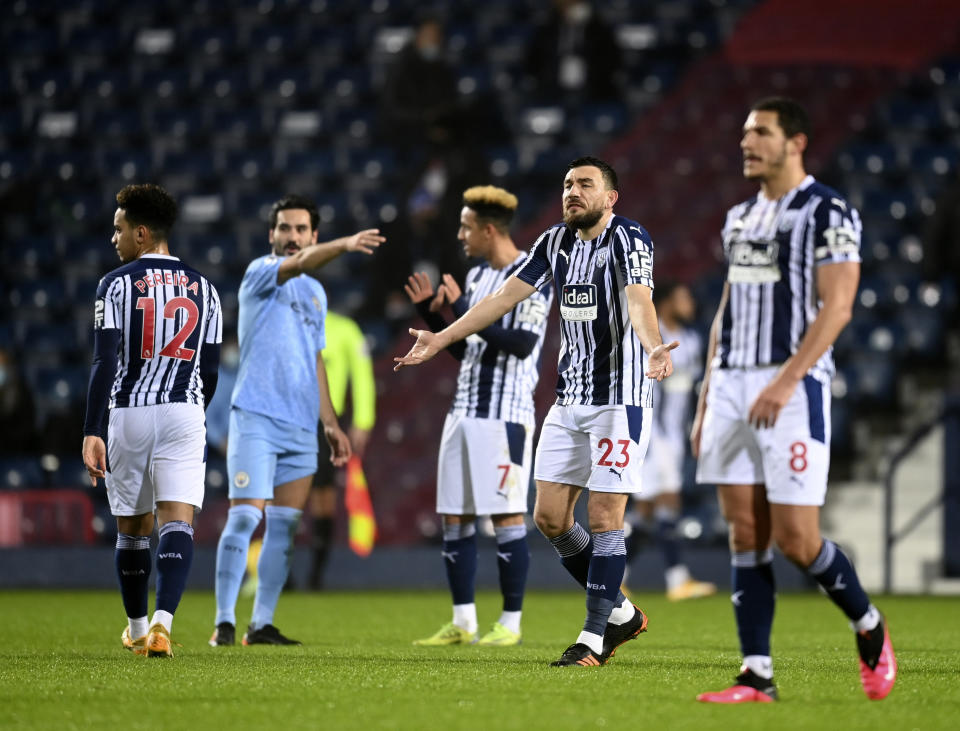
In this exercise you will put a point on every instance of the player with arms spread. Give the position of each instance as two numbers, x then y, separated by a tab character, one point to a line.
280	394
486	447
762	426
157	332
596	435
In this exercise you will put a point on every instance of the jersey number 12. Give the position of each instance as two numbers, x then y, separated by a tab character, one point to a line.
173	349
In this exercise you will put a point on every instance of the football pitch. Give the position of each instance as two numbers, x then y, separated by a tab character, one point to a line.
61	666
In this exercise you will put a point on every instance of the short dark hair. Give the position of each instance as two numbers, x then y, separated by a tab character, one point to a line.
609	174
147	204
291	202
791	115
491	205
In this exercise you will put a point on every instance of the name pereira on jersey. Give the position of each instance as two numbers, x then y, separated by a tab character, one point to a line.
159	279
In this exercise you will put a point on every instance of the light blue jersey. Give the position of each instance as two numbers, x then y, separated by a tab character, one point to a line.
280	329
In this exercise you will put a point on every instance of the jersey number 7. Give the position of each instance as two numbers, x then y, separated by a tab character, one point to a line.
173	349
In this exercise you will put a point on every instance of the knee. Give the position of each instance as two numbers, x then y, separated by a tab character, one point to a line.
743	536
243	519
798	548
550	524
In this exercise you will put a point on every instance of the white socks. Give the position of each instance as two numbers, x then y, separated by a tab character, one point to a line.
138	627
622	613
465	616
762	665
511	620
164	618
591	640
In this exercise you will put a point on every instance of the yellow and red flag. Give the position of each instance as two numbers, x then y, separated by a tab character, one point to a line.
363	524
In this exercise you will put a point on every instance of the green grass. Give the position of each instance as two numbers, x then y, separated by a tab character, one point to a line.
61	667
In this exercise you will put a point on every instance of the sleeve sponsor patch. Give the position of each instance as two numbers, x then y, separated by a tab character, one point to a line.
99	308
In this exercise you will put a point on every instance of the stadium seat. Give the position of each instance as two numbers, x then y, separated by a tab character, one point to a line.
180	123
237	125
870	158
14	164
300	124
212	41
230	84
49	83
20	473
923	332
375	209
114	124
317	163
131	164
916	114
63	386
871	382
373	164
166	84
105	84
938	159
605	119
248	164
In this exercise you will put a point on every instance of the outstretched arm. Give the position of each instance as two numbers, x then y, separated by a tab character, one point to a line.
643	318
487	311
311	258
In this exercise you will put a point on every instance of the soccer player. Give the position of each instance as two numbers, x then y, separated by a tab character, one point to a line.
762	426
486	447
346	358
280	395
596	435
157	331
663	467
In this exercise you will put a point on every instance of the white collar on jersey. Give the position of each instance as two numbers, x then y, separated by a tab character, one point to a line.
160	256
805	183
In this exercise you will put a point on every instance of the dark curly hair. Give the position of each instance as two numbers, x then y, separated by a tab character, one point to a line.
149	205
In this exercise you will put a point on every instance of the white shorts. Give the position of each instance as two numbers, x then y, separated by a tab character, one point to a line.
483	467
155	453
601	448
792	459
662	467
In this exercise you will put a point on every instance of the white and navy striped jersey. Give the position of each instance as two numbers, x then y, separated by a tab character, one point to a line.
772	249
165	311
601	359
492	383
672	407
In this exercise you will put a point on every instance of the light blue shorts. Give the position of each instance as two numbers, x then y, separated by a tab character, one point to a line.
263	452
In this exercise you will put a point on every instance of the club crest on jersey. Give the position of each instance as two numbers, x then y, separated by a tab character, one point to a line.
601	258
578	302
753	262
241	480
316	303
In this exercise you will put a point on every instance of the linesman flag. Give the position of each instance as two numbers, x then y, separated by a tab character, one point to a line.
363	524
